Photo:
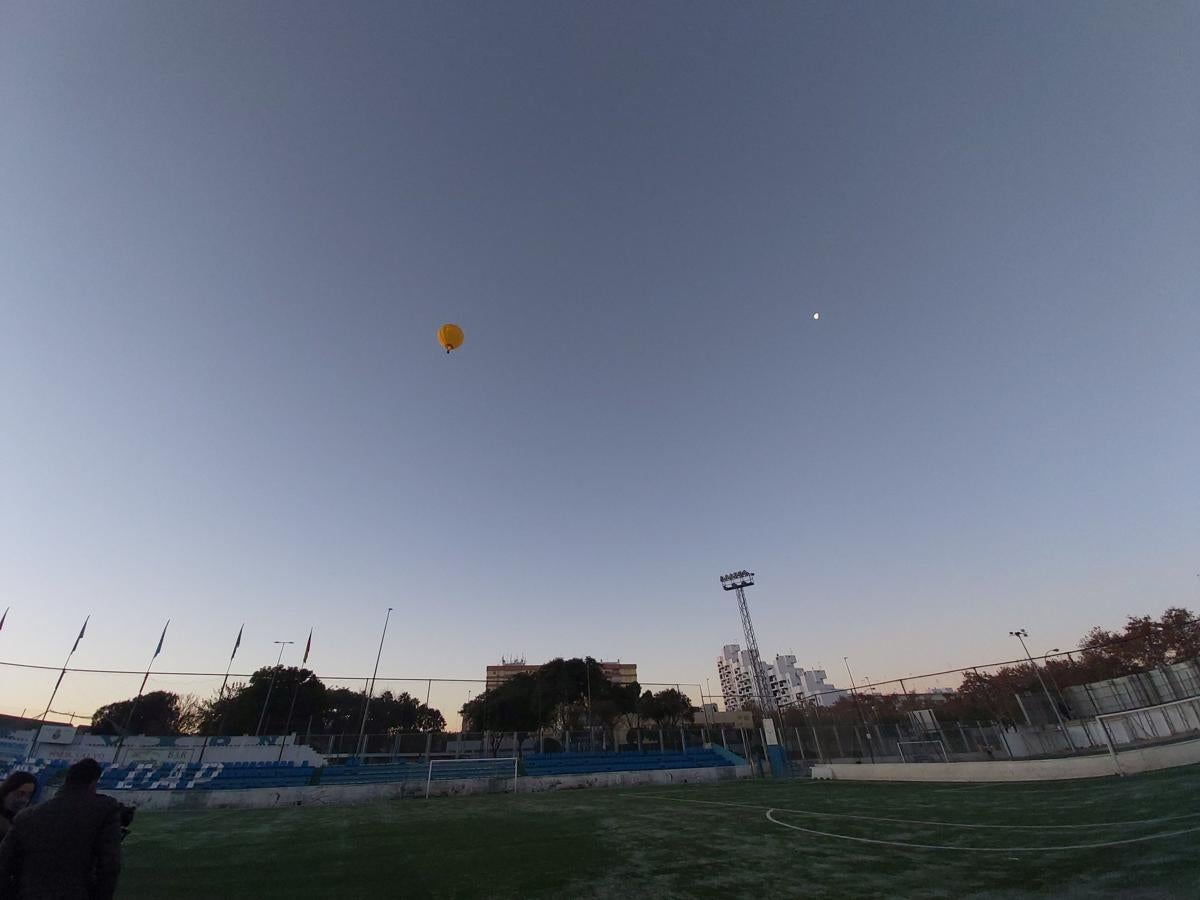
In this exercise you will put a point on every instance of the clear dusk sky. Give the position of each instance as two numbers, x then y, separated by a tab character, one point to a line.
229	232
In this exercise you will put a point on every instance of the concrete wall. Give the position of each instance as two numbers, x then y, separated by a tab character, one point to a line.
341	794
1129	762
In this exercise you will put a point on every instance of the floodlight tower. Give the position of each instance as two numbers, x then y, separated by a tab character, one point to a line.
739	581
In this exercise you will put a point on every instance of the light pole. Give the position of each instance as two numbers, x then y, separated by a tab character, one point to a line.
1054	681
1020	634
587	669
292	709
854	694
738	582
270	687
362	731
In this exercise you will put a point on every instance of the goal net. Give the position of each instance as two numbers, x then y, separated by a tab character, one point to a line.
507	767
1165	723
922	751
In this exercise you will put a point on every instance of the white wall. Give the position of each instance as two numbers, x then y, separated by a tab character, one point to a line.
1128	762
104	748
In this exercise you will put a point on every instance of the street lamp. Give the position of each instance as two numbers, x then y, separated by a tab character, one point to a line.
1020	634
270	687
1054	681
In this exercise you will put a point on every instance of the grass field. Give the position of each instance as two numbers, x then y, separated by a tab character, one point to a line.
1129	838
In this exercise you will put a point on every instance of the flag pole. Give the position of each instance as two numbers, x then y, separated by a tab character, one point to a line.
54	693
138	699
225	680
371	689
221	692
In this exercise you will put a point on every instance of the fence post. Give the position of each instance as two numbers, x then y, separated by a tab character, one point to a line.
1087	733
1003	739
799	742
941	731
724	743
682	739
1087	689
817	741
662	745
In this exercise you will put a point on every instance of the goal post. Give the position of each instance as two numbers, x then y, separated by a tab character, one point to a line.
923	751
1146	726
490	767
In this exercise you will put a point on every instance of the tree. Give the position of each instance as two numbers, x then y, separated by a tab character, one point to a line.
239	710
158	713
1144	643
614	703
343	711
504	709
392	714
563	694
670	707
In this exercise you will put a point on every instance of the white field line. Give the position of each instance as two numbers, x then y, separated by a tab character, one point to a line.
837	815
862	840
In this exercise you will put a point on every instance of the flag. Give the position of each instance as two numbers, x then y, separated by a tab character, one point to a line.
307	647
81	631
237	643
3	617
158	649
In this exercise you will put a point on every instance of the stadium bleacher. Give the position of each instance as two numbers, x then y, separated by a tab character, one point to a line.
209	776
236	776
590	763
44	770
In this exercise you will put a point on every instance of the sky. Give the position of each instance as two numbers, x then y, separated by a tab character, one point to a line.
230	231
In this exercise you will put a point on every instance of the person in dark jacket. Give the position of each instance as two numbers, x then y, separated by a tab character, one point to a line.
69	847
15	794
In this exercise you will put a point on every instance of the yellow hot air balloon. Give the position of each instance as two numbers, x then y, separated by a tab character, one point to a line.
450	337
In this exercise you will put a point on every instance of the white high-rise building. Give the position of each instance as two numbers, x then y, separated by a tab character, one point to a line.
733	670
792	684
788	683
